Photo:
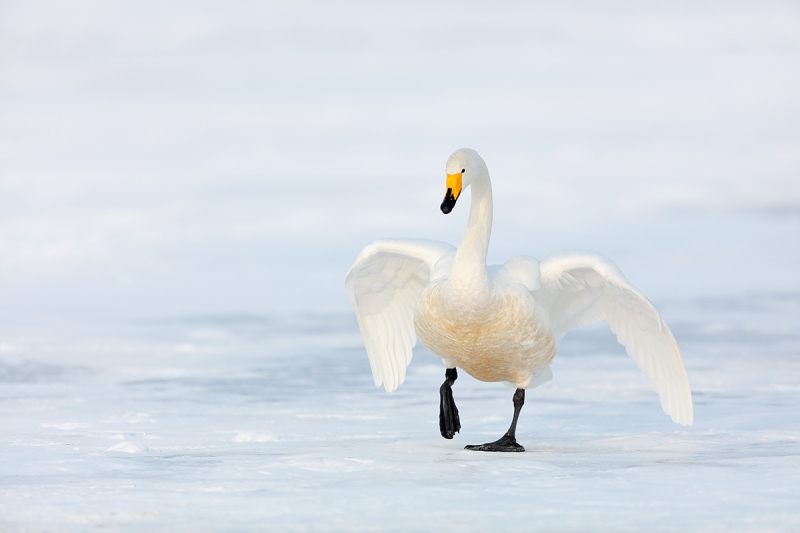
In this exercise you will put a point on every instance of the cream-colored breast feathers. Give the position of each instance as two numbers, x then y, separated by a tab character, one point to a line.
508	339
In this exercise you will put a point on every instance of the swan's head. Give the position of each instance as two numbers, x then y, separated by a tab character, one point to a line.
462	168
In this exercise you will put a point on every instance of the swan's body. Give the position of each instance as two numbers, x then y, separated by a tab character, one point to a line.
506	338
499	323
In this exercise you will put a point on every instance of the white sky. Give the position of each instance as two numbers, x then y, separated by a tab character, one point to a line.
168	158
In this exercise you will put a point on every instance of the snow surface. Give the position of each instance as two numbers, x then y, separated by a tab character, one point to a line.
273	424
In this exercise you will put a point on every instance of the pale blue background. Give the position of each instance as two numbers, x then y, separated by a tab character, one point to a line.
168	158
183	186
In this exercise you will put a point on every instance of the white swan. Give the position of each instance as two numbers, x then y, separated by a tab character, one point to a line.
499	323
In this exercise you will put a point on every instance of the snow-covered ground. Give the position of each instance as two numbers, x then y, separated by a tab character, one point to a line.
272	424
184	185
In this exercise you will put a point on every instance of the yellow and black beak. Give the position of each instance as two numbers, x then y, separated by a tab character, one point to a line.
453	192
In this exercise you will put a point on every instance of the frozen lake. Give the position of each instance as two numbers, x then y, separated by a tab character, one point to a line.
183	187
272	424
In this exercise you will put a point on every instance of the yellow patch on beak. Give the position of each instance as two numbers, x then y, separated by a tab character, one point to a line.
454	185
453	192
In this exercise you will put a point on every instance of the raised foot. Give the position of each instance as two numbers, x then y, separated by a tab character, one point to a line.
504	444
449	423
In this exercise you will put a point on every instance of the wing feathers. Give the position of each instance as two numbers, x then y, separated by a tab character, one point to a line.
581	288
384	284
576	289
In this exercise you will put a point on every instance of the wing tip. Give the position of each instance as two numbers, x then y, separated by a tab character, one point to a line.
684	417
684	421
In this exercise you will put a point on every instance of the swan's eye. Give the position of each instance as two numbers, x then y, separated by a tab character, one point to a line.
463	170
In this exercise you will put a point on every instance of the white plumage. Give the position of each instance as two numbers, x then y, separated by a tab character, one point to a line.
500	323
384	285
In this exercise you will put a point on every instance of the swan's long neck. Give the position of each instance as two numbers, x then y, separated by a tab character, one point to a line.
469	276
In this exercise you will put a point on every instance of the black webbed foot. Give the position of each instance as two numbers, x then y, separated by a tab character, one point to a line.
449	423
505	443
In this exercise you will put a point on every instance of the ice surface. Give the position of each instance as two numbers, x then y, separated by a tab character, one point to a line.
273	424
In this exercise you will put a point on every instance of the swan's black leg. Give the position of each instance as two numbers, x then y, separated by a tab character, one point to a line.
449	424
508	442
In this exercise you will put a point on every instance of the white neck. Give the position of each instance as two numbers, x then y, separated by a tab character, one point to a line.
469	277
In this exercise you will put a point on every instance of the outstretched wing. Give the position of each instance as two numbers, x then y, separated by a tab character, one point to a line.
578	288
384	284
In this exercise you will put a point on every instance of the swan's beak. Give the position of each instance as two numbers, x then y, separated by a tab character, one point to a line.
453	192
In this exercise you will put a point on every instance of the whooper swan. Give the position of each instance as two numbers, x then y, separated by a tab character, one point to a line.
499	323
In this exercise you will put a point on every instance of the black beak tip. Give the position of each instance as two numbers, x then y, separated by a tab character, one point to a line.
449	202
